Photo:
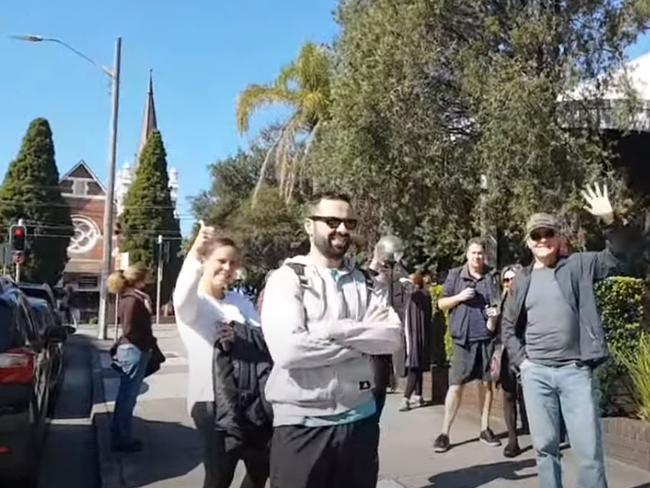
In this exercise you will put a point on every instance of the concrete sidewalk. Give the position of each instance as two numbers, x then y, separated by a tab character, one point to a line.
172	455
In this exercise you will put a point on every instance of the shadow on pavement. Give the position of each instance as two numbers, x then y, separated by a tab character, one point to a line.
170	451
477	476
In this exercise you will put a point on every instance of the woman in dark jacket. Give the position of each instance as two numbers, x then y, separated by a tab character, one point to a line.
417	338
512	392
132	350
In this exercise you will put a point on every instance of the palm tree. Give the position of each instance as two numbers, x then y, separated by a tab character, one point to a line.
304	86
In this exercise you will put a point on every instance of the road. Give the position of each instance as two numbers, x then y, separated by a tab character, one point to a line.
70	453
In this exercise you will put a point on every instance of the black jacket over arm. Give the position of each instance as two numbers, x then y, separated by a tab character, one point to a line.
239	374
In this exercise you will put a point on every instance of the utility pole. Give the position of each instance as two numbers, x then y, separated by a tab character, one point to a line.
109	203
160	277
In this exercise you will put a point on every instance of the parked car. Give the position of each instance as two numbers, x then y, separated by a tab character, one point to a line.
25	369
44	317
44	292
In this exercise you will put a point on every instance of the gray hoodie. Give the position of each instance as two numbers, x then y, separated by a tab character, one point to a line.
321	342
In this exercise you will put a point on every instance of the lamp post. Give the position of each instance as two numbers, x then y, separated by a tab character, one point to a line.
109	203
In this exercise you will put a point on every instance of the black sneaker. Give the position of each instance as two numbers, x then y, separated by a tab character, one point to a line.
488	437
512	450
441	443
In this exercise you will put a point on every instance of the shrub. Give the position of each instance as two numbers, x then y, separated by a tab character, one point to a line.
620	301
637	363
441	318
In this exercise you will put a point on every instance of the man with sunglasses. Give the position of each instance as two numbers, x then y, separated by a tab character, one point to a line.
554	336
323	323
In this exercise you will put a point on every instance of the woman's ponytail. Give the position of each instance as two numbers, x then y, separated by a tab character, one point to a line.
116	282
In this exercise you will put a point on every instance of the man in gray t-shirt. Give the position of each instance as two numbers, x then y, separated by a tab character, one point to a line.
552	329
552	333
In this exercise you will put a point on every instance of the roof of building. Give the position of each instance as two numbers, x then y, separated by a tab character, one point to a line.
83	170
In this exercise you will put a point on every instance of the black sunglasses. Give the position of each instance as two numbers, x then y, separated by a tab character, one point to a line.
507	280
335	222
540	234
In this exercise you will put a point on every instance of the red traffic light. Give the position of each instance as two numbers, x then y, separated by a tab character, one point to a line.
18	237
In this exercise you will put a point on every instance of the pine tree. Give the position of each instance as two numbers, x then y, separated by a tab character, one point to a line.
149	212
31	191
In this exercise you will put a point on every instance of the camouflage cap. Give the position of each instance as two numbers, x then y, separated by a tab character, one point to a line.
542	221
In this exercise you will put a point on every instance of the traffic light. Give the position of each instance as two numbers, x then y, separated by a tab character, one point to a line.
18	236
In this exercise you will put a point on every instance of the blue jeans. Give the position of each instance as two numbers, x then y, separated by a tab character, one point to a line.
133	364
569	390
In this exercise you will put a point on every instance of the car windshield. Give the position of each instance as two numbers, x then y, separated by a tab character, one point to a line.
6	327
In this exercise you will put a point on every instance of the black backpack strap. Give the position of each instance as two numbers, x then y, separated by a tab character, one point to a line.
370	282
299	269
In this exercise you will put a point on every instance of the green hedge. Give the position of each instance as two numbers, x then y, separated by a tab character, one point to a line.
442	317
620	301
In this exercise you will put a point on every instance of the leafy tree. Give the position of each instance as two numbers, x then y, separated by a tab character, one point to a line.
149	212
303	85
31	191
268	231
517	70
448	118
396	138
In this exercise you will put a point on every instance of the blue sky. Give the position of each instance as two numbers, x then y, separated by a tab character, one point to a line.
202	52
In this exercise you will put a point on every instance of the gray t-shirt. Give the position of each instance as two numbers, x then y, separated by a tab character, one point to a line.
552	332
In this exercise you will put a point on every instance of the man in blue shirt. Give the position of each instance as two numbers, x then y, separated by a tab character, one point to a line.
469	294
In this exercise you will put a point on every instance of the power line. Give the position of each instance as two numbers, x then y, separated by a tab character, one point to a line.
151	234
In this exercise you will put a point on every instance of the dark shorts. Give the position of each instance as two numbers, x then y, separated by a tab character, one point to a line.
471	362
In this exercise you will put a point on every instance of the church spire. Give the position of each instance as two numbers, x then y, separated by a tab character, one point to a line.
149	123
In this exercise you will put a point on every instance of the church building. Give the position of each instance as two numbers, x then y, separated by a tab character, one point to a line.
86	195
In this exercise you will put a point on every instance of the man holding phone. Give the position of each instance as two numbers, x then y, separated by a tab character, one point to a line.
470	294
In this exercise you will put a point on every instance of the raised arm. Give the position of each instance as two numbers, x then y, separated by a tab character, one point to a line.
614	257
187	289
187	284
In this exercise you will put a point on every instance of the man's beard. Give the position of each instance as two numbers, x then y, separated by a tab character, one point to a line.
326	247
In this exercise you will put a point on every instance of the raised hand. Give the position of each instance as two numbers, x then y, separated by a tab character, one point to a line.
203	243
597	202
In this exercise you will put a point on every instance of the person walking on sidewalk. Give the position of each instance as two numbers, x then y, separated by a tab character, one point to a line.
417	338
554	335
323	320
132	350
207	315
508	379
469	293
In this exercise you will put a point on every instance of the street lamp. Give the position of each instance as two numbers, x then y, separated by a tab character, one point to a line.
109	204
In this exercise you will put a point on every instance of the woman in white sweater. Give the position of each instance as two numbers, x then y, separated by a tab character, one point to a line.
204	309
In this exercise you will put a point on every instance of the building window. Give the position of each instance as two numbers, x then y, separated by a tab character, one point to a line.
86	235
87	282
79	187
